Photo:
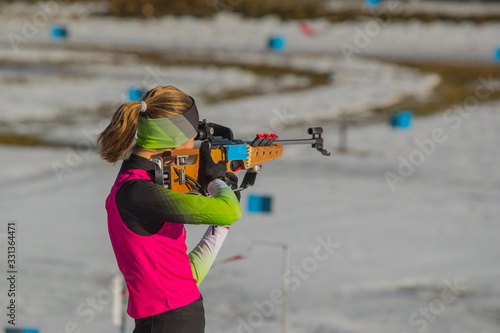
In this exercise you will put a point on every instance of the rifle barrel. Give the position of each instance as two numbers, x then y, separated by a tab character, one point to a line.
297	141
283	142
316	142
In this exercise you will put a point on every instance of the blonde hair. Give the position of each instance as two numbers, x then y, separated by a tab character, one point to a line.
115	142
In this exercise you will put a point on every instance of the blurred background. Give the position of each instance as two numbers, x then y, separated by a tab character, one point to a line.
398	231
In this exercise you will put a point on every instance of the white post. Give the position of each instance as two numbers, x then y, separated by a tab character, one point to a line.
285	286
286	268
118	310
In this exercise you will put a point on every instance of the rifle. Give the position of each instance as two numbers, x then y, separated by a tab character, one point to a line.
178	169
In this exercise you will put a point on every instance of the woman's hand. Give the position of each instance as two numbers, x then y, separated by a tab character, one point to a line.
209	170
232	181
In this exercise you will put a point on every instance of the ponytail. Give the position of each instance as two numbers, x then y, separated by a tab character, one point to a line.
117	139
115	142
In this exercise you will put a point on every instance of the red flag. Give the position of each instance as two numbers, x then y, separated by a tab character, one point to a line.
306	29
234	258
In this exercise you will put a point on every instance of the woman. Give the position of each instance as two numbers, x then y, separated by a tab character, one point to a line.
146	220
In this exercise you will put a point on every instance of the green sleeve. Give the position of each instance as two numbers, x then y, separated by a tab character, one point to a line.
154	203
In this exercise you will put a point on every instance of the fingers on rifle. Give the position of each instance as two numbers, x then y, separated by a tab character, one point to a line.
205	155
232	180
231	176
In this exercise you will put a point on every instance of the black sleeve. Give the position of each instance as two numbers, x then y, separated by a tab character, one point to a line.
145	206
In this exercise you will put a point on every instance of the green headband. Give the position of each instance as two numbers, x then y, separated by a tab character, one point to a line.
167	132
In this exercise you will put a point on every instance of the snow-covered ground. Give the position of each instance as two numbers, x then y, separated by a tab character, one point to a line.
398	235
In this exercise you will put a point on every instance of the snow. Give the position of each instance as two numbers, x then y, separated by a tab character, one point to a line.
367	255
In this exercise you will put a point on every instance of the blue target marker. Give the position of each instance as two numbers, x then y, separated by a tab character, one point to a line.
58	32
372	3
259	204
21	330
401	119
277	43
496	55
135	93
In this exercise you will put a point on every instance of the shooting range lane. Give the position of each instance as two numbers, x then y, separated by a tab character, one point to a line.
68	116
104	58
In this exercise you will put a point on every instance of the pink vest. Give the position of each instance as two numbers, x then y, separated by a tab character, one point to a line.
156	268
